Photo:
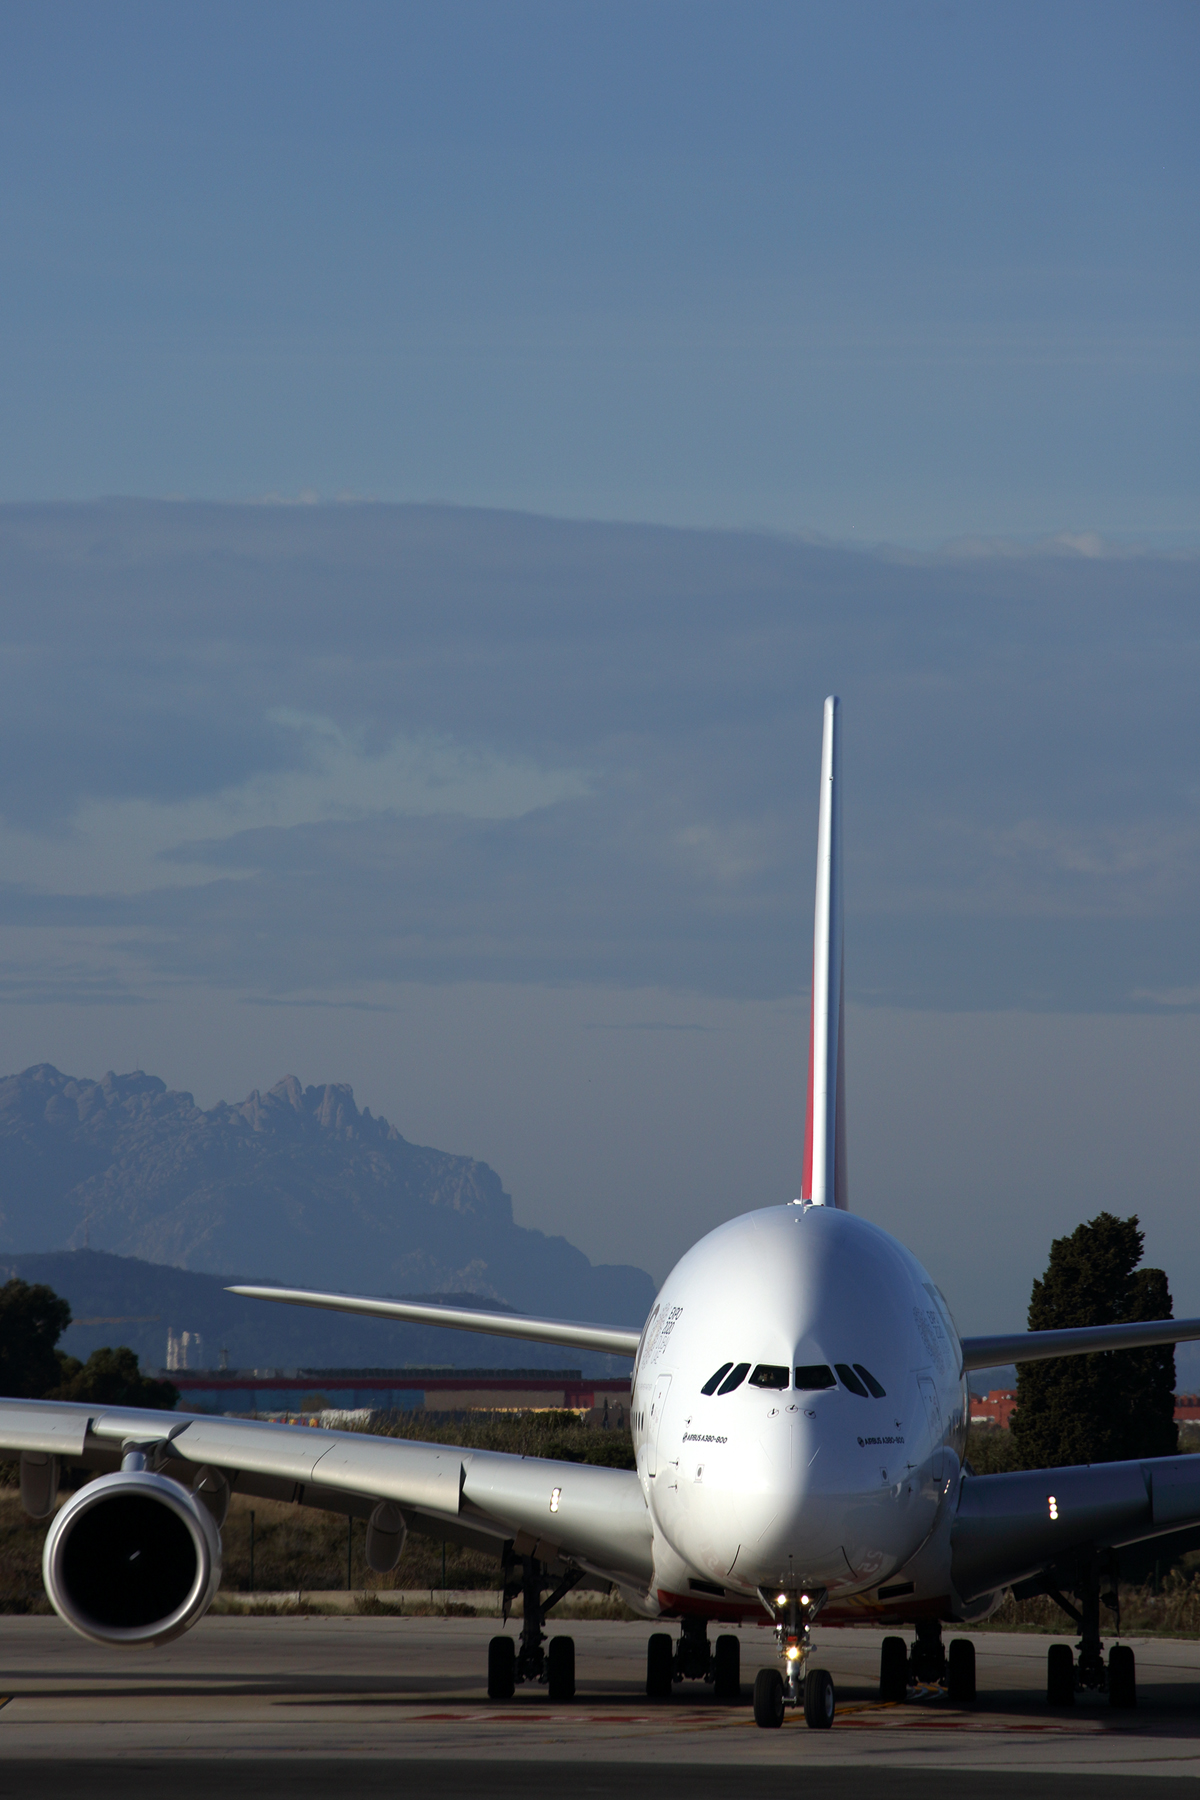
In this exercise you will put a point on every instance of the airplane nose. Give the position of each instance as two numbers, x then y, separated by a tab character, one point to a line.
792	1508
795	1540
790	1528
749	1521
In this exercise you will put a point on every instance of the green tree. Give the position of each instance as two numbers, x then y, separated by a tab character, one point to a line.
1079	1409
32	1319
112	1378
991	1451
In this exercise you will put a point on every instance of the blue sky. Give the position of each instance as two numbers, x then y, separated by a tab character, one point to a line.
886	272
449	454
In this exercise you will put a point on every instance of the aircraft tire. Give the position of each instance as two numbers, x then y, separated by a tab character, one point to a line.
893	1669
660	1666
1060	1676
502	1668
560	1669
960	1671
819	1702
727	1668
1122	1677
768	1699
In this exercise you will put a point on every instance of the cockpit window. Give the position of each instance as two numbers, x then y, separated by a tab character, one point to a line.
880	1393
812	1376
850	1380
735	1379
770	1375
714	1381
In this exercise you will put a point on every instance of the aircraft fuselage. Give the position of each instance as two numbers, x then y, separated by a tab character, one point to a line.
827	1462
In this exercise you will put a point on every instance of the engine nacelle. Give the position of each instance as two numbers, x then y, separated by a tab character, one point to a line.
387	1529
132	1558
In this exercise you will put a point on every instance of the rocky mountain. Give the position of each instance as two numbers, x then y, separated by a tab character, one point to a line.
295	1185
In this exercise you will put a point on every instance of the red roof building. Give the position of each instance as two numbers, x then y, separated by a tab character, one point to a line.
996	1408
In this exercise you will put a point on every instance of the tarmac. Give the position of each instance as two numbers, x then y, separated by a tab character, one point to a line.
319	1706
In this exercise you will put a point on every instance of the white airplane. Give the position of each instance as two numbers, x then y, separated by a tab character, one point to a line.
799	1410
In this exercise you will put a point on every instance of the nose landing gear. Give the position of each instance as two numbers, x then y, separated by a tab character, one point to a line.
693	1659
797	1684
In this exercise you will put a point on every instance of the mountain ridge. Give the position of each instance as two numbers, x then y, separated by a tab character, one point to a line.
295	1183
123	1300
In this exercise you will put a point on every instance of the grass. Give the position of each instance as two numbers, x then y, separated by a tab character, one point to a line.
991	1451
21	1540
1172	1612
560	1435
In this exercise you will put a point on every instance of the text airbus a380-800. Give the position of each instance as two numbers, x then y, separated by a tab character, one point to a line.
799	1411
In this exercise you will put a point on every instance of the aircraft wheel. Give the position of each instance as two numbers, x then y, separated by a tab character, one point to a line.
560	1669
660	1666
960	1671
727	1668
1122	1677
502	1668
818	1699
893	1669
1060	1676
768	1699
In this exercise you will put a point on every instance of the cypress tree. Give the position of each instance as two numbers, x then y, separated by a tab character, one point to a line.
1104	1408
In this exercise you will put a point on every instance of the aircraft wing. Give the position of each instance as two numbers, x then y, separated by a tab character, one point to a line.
1010	1527
1084	1340
571	1512
614	1340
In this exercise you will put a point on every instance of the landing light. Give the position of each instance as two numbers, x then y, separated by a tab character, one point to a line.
781	1599
793	1651
804	1599
1053	1507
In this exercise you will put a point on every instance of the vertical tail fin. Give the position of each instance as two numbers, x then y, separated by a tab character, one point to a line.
824	1181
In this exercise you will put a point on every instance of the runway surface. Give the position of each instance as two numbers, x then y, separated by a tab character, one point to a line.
259	1705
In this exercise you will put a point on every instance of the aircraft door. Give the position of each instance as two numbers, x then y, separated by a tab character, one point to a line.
655	1422
937	1430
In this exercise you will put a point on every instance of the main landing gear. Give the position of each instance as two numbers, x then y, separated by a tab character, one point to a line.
693	1659
928	1664
796	1684
1067	1673
533	1660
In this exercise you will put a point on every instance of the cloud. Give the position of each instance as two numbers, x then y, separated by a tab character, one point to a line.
127	843
643	1025
1185	999
1089	544
295	750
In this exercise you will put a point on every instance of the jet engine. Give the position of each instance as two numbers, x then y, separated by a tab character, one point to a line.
132	1558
